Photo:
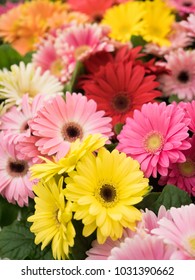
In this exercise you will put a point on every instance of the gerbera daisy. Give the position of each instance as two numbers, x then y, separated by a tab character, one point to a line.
15	185
78	149
189	25
7	6
182	6
190	113
153	142
52	223
25	79
181	79
182	174
61	122
104	189
26	24
157	21
14	123
94	9
124	20
102	251
120	88
77	42
179	229
148	247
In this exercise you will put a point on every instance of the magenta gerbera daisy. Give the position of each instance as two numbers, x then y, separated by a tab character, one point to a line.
181	79
15	185
182	6
154	142
179	229
182	174
14	123
148	247
61	122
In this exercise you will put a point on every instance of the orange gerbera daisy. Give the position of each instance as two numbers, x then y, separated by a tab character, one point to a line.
24	25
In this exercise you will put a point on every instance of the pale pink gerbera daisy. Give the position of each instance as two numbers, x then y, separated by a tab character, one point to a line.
179	229
182	6
189	25
15	185
102	251
61	122
148	247
77	42
155	137
14	122
182	174
181	80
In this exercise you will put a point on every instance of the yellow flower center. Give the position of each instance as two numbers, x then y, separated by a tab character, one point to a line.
56	67
191	243
153	142
187	168
80	51
107	195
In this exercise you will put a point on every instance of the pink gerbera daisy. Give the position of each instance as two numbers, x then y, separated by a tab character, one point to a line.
154	142
190	113
147	247
61	122
182	6
181	80
77	42
102	251
14	175
14	123
179	229
182	174
189	25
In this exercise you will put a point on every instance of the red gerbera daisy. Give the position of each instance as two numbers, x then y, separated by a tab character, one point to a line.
120	88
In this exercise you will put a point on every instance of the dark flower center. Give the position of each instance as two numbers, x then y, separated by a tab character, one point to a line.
17	168
108	193
183	77
121	103
187	4
72	131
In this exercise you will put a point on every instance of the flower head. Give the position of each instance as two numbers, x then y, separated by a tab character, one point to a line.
179	229
120	88
25	79
124	20
153	142
104	189
15	186
52	223
60	122
182	6
181	79
157	21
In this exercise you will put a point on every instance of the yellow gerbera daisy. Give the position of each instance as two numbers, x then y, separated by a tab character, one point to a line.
124	20
158	21
78	149
52	218
104	189
25	79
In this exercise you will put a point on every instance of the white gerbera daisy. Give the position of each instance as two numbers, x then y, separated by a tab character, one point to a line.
26	79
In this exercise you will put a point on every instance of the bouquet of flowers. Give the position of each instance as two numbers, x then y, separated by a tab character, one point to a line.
97	123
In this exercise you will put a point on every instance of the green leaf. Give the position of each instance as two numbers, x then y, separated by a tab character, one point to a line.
82	244
148	201
137	41
79	70
118	127
110	147
171	196
9	56
173	98
17	243
8	212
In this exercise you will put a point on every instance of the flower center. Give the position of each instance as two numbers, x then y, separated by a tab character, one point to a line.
24	127
183	77
72	131
56	67
153	142
106	194
121	103
80	51
187	4
191	244
187	168
17	168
